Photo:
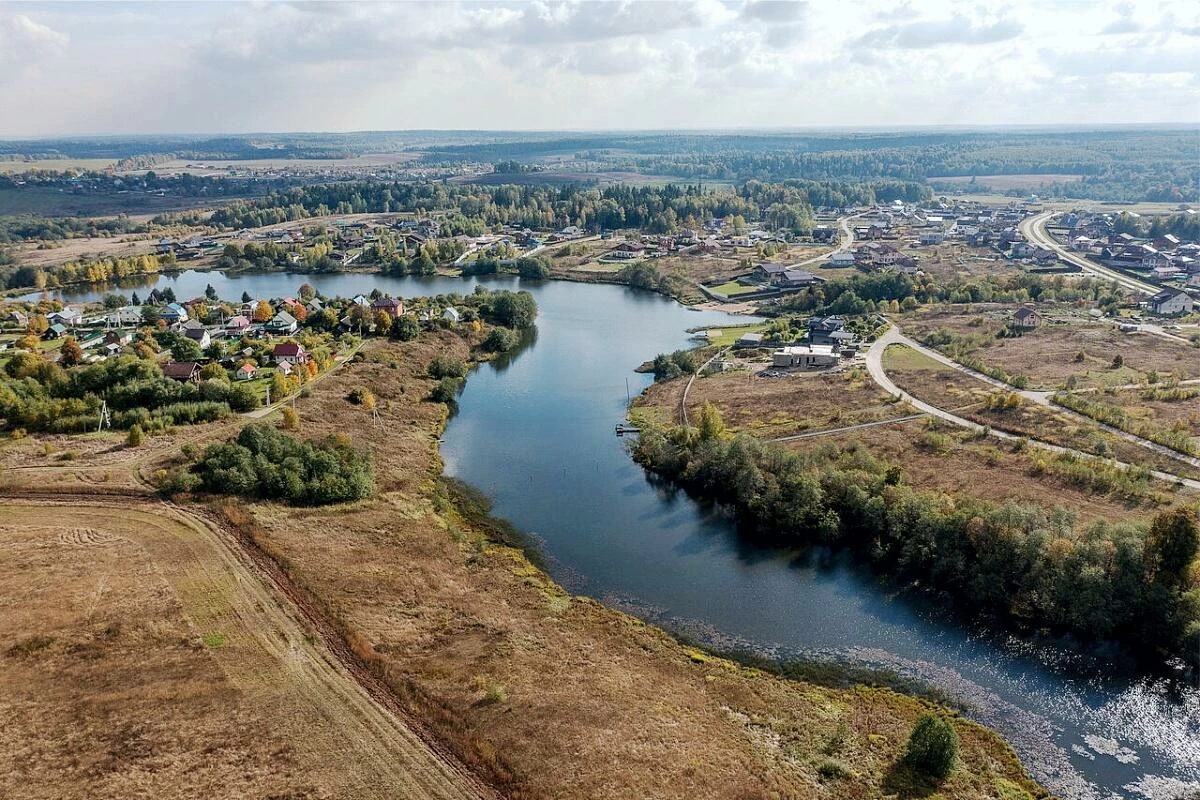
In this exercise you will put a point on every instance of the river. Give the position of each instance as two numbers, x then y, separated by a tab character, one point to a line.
535	431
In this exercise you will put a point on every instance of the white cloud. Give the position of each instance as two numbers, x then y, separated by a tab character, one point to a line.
230	66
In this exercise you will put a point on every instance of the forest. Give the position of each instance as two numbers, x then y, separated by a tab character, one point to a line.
1132	584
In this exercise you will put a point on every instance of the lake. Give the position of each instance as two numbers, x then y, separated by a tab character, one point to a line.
535	432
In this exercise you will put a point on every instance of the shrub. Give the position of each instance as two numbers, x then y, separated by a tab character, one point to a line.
932	746
291	419
500	340
136	436
832	769
447	367
446	391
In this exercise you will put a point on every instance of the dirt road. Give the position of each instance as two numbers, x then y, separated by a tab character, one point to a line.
336	716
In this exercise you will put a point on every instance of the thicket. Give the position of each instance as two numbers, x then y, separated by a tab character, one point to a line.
268	463
1179	439
1109	581
41	396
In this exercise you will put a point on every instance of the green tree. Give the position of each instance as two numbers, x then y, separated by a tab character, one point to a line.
712	427
932	746
291	419
184	349
405	328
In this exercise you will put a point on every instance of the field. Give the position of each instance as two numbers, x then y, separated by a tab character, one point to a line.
55	164
141	653
63	250
1001	183
55	203
1051	354
774	407
216	167
970	398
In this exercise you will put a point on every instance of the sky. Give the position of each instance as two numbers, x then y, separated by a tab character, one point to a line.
218	67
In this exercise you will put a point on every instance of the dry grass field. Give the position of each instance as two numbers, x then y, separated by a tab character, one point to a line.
142	656
1051	354
54	164
773	407
1000	183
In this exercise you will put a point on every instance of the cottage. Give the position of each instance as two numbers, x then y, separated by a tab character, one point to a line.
814	356
126	316
55	331
183	371
796	279
394	306
237	325
628	250
451	315
748	340
285	368
246	372
282	324
842	259
67	316
1021	250
1169	302
1026	318
173	312
768	273
825	330
197	333
289	353
19	318
932	237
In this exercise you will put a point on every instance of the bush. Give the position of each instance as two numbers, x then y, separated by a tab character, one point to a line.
446	391
268	463
136	436
932	746
291	420
500	340
447	367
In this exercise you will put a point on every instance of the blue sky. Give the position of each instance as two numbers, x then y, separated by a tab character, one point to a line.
96	68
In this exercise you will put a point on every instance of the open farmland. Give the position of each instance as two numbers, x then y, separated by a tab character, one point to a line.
140	650
1000	183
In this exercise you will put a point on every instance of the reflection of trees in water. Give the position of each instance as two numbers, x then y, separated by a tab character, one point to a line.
527	339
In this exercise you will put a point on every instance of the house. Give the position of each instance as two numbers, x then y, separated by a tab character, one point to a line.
124	317
842	259
768	273
282	324
826	330
67	316
628	250
1171	301
119	338
394	306
1043	255
1021	250
237	325
796	278
285	368
246	372
1026	318
932	237
451	315
183	371
197	333
824	233
813	356
55	331
173	312
1152	259
749	340
289	353
19	318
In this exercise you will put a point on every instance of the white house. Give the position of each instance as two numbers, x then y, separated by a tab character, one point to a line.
451	315
808	356
1171	301
124	317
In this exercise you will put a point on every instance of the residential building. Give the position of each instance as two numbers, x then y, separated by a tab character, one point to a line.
173	312
1169	302
1026	318
814	356
628	250
394	306
282	324
197	333
183	371
289	353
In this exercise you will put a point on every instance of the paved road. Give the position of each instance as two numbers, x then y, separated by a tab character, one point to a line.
875	368
1034	229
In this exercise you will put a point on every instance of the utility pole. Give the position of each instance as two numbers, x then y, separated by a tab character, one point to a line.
105	418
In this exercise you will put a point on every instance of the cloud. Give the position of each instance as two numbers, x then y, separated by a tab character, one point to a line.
923	34
777	11
1133	60
22	37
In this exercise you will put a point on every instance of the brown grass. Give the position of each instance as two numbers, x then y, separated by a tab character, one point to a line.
573	699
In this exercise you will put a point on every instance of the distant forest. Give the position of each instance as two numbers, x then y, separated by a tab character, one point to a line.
1121	164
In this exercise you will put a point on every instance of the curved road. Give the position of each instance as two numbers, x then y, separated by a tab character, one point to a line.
875	368
1034	230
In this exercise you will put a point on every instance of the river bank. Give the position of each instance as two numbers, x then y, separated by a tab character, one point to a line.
549	690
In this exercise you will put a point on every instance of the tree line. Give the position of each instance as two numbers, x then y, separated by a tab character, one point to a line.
1132	583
